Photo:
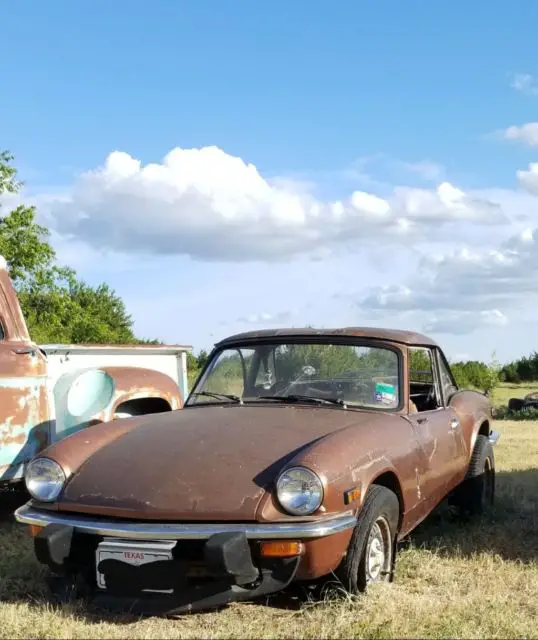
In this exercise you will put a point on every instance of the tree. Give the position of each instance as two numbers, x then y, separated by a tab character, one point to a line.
57	305
202	358
8	174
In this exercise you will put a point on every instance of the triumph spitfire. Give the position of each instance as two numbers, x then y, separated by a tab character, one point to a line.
298	454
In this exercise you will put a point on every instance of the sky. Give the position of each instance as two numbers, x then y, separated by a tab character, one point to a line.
227	166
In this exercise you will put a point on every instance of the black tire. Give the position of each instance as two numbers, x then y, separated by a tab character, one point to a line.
516	404
476	493
376	528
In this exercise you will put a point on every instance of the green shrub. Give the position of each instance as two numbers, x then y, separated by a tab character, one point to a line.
477	375
504	413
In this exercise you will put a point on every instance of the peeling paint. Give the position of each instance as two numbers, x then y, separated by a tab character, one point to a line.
29	415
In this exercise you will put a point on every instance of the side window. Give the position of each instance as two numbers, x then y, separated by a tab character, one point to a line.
265	376
2	332
448	384
423	391
227	374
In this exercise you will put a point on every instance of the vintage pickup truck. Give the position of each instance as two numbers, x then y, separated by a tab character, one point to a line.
50	391
299	454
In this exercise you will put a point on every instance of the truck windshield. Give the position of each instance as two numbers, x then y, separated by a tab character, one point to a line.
340	374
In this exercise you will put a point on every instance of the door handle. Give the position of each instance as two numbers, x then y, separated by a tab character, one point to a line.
25	351
454	423
422	420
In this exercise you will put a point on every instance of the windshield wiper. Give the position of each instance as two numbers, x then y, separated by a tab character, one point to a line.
296	397
218	396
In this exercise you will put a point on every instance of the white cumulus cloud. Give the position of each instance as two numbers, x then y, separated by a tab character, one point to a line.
210	205
526	133
467	288
528	178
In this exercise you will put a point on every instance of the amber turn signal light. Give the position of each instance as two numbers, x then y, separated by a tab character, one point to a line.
352	495
34	529
282	549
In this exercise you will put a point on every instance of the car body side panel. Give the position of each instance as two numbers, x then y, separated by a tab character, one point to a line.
442	445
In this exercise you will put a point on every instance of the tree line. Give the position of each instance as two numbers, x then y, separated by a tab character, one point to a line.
59	307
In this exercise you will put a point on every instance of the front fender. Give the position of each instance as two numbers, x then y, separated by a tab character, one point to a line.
353	458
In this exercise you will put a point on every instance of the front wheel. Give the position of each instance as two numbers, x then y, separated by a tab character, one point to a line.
371	553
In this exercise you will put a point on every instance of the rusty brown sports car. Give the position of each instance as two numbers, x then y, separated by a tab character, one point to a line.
299	454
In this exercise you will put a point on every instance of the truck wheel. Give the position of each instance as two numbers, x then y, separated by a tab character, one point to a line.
371	553
477	492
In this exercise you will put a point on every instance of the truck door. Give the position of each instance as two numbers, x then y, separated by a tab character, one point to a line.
24	427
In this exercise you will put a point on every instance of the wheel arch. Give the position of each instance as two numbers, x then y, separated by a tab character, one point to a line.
482	428
142	405
143	390
390	480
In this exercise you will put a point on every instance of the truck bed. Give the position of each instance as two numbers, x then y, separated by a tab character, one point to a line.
168	359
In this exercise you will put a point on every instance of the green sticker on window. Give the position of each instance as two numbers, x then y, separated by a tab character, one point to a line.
385	393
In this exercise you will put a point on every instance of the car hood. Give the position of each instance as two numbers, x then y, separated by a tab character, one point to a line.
197	463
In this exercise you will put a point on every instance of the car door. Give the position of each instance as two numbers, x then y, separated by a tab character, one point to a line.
435	425
24	426
448	389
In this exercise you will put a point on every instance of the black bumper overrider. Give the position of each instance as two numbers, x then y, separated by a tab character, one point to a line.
230	574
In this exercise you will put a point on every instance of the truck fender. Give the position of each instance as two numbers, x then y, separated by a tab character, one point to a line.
101	394
140	391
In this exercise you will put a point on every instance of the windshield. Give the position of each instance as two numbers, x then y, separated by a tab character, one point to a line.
366	376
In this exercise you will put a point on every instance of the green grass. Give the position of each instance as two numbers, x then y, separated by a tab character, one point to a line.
454	579
507	390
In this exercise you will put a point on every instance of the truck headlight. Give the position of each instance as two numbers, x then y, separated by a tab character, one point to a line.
44	479
299	491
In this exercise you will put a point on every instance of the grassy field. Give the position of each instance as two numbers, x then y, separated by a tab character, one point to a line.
453	580
505	391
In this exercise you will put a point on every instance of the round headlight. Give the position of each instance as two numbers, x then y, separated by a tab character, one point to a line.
299	491
44	479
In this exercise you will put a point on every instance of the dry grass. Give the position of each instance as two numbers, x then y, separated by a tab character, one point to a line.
507	390
453	580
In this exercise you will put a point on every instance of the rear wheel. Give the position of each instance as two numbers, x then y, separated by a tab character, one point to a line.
476	493
370	556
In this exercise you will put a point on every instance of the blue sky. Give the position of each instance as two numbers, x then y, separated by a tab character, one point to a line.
325	100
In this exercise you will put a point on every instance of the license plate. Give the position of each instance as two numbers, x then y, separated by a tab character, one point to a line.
133	553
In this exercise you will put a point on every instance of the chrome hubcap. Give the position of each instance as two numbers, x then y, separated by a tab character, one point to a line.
378	551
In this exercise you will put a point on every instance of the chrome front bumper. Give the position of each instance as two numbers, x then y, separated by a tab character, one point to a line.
138	530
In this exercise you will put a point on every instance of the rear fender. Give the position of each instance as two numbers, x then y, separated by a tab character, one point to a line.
134	384
475	412
99	394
